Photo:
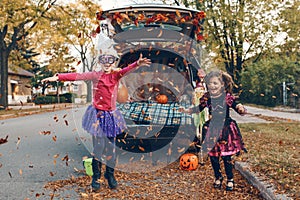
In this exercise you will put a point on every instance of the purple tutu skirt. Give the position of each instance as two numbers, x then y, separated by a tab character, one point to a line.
103	123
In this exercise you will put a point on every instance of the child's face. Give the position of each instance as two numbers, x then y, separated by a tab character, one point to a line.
215	86
107	63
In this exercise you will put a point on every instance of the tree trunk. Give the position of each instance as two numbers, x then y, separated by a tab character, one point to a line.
89	91
3	78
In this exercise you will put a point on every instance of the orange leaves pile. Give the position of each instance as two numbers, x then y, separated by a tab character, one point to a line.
164	183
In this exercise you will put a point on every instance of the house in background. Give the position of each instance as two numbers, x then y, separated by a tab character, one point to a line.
19	87
77	87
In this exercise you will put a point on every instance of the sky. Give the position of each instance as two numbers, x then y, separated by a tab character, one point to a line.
107	4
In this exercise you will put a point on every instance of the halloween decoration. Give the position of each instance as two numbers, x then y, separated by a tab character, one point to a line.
122	94
162	98
188	162
87	163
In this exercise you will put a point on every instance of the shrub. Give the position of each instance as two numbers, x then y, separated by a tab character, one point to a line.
70	97
48	99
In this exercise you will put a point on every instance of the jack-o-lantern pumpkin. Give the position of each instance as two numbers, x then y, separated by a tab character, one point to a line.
162	98
188	161
122	96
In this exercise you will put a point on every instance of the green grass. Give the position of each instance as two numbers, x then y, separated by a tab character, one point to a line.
274	151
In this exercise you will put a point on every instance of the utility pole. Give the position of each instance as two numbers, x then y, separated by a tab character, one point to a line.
284	95
284	92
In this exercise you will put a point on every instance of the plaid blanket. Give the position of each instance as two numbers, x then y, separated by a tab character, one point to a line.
154	113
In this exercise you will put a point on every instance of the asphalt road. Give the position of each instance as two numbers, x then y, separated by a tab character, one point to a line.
31	157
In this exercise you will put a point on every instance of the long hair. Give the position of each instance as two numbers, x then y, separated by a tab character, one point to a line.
223	77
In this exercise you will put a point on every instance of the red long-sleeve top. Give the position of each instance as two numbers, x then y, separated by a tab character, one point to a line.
105	85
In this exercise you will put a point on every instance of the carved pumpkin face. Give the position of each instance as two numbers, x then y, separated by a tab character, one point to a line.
188	161
162	98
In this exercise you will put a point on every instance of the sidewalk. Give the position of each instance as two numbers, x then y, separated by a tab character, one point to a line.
284	113
30	108
34	106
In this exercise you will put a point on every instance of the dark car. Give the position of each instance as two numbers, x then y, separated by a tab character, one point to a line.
170	36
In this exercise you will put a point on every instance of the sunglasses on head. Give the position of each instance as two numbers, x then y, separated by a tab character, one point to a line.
110	59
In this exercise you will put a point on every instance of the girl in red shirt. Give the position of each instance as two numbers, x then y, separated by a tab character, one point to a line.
101	119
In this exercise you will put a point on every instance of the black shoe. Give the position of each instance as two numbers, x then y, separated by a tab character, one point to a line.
230	184
109	175
96	166
218	182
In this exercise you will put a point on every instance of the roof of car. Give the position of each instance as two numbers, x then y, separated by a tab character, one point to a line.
150	7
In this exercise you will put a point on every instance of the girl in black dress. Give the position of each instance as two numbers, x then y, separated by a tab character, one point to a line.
221	136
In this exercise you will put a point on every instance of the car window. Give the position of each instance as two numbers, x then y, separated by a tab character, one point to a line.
183	20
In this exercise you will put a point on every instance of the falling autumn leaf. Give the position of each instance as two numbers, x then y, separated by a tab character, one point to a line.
131	159
181	150
141	148
45	132
56	156
55	118
108	157
66	158
3	140
160	34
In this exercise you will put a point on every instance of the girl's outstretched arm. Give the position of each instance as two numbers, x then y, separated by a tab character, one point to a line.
140	62
238	107
51	79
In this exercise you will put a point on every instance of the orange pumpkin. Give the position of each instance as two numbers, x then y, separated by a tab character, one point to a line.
188	162
162	98
122	96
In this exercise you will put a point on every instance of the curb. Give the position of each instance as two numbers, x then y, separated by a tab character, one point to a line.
267	190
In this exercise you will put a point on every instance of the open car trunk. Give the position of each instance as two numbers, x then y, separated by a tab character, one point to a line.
153	125
169	36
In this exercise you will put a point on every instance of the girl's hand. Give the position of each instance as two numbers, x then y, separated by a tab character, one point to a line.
51	79
184	110
143	61
241	109
229	99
